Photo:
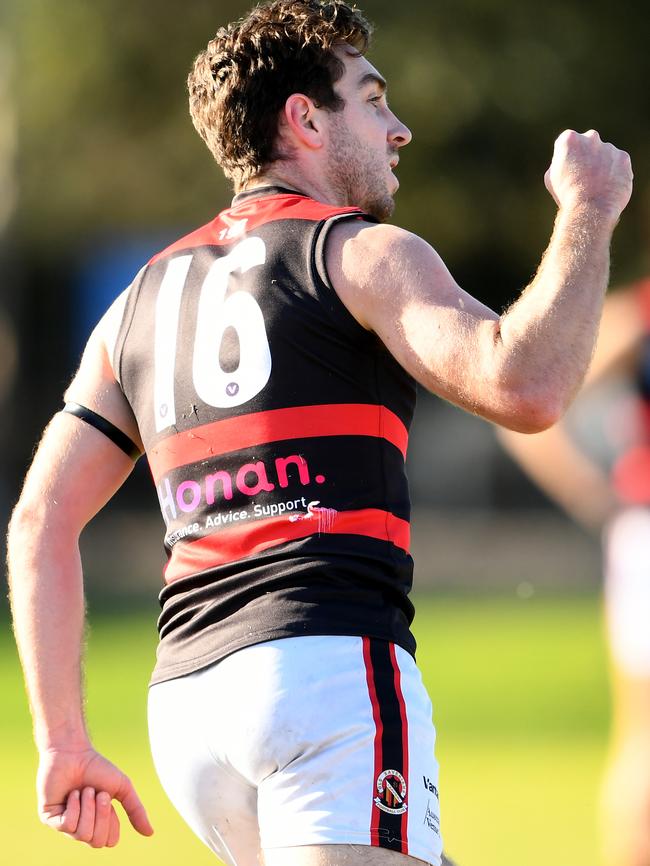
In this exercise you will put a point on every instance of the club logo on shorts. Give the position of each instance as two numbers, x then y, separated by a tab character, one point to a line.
391	790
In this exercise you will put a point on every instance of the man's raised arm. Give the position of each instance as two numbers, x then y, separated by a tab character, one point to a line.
523	368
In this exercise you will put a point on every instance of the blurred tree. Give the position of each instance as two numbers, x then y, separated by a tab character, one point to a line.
8	337
485	86
107	145
106	138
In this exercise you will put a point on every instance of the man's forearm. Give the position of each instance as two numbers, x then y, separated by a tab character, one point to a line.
48	612
548	335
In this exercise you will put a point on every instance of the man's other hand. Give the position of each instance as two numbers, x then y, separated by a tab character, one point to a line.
75	792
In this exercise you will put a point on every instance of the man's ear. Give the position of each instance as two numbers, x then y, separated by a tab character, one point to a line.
302	121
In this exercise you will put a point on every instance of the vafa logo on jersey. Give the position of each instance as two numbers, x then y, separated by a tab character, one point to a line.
391	792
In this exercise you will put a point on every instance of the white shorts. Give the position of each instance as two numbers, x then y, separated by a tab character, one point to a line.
627	590
301	741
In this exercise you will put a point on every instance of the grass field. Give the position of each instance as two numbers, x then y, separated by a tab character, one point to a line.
520	701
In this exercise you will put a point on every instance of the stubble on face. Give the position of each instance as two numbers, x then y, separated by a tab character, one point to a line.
358	174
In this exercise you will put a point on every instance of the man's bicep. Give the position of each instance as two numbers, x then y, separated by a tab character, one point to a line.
443	342
95	385
75	471
78	467
399	287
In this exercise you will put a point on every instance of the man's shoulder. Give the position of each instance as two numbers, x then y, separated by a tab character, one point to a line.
370	265
359	247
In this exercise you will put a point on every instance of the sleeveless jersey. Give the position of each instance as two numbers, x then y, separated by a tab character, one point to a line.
631	469
276	430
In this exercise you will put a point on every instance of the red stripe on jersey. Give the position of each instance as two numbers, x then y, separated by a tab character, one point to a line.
249	537
405	740
303	422
379	730
631	474
229	226
642	289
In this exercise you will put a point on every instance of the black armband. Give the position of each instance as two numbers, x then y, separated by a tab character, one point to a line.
110	430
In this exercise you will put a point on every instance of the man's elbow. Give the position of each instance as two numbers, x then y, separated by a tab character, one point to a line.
532	410
24	524
20	537
34	518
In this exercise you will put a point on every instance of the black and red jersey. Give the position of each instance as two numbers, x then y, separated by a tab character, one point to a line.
276	430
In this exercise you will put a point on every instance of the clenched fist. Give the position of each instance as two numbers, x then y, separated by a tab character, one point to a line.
588	171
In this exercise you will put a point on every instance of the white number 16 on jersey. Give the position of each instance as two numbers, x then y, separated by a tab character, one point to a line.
216	312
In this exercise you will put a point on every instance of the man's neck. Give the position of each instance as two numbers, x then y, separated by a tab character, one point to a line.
294	180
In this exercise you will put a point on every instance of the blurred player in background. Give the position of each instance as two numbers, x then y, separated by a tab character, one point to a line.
612	497
267	365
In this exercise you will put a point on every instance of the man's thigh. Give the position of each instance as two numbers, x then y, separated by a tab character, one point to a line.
336	855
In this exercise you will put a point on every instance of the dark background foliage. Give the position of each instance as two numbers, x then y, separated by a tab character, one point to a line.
98	146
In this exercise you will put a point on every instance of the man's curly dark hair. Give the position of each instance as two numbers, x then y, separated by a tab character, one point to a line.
240	83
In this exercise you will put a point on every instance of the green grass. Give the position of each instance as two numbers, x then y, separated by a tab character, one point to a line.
520	701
